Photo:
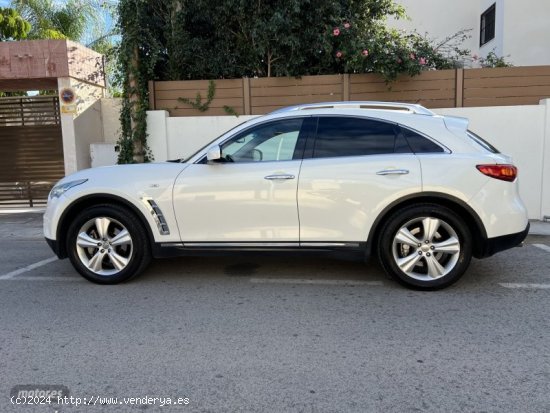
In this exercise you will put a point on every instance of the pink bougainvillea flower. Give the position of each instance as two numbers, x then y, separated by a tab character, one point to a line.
412	56
365	52
347	25
475	57
399	61
336	31
422	61
339	54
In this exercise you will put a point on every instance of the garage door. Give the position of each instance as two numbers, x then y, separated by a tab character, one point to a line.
31	155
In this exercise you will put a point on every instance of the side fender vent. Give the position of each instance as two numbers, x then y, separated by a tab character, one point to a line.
158	216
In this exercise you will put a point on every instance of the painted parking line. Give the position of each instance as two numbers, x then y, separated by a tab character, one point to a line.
39	278
28	268
528	286
542	247
314	282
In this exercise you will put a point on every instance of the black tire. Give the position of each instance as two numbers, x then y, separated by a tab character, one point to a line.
425	274
137	254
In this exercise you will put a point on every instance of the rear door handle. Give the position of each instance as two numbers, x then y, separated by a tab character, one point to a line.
280	176
393	172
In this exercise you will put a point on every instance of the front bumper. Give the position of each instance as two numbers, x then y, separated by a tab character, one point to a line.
54	245
504	242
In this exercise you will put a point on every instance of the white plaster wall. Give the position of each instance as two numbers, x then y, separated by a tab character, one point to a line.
86	94
88	129
157	138
522	27
526	33
83	127
69	143
185	135
441	18
103	154
110	117
518	131
545	195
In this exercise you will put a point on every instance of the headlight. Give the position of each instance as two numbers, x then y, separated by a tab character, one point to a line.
60	189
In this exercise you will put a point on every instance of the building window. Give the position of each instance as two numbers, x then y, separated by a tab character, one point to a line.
487	25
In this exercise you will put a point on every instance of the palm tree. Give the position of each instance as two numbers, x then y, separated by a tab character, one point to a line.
12	25
54	20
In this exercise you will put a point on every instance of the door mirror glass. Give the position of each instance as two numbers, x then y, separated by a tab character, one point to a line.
214	154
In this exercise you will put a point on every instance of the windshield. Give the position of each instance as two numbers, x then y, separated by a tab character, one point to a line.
210	143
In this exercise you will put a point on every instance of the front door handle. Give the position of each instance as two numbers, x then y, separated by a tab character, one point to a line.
393	172
280	176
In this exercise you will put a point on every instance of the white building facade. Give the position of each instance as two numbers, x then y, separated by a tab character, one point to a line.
514	29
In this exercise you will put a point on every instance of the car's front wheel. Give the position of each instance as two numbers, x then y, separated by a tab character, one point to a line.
425	246
108	244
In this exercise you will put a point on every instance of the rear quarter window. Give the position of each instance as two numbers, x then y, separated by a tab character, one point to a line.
481	142
419	143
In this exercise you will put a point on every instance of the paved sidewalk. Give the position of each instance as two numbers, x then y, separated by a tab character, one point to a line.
539	228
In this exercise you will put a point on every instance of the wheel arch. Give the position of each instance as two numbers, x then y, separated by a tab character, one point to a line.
472	219
89	201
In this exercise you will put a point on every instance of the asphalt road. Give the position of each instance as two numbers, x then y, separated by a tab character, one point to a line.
275	335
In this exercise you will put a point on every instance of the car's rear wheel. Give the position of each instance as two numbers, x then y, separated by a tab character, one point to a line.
425	246
108	244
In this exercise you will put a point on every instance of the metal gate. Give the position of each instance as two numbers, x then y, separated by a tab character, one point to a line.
31	149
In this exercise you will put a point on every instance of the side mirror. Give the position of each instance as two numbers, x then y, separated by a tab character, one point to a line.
214	154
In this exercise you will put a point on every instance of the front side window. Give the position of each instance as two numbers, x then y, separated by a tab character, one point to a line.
488	19
342	136
275	141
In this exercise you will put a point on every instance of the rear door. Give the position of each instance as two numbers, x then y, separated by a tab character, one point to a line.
351	171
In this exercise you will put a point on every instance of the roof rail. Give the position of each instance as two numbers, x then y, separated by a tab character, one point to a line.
409	107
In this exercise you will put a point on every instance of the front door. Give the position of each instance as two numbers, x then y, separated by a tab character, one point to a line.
250	195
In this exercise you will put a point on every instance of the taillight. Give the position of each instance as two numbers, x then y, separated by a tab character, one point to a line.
503	172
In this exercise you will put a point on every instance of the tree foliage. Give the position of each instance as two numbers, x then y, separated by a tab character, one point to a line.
52	19
492	60
204	39
201	39
234	38
138	54
12	25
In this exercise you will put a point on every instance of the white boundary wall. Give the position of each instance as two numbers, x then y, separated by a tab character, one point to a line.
520	131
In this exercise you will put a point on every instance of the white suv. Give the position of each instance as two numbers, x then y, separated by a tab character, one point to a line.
351	178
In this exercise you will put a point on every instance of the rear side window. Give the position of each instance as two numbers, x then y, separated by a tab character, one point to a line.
342	136
482	142
419	143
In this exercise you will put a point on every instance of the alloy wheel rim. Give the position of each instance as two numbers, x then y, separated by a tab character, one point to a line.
426	248
104	246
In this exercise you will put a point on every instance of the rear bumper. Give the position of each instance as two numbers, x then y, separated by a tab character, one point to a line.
504	242
54	245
